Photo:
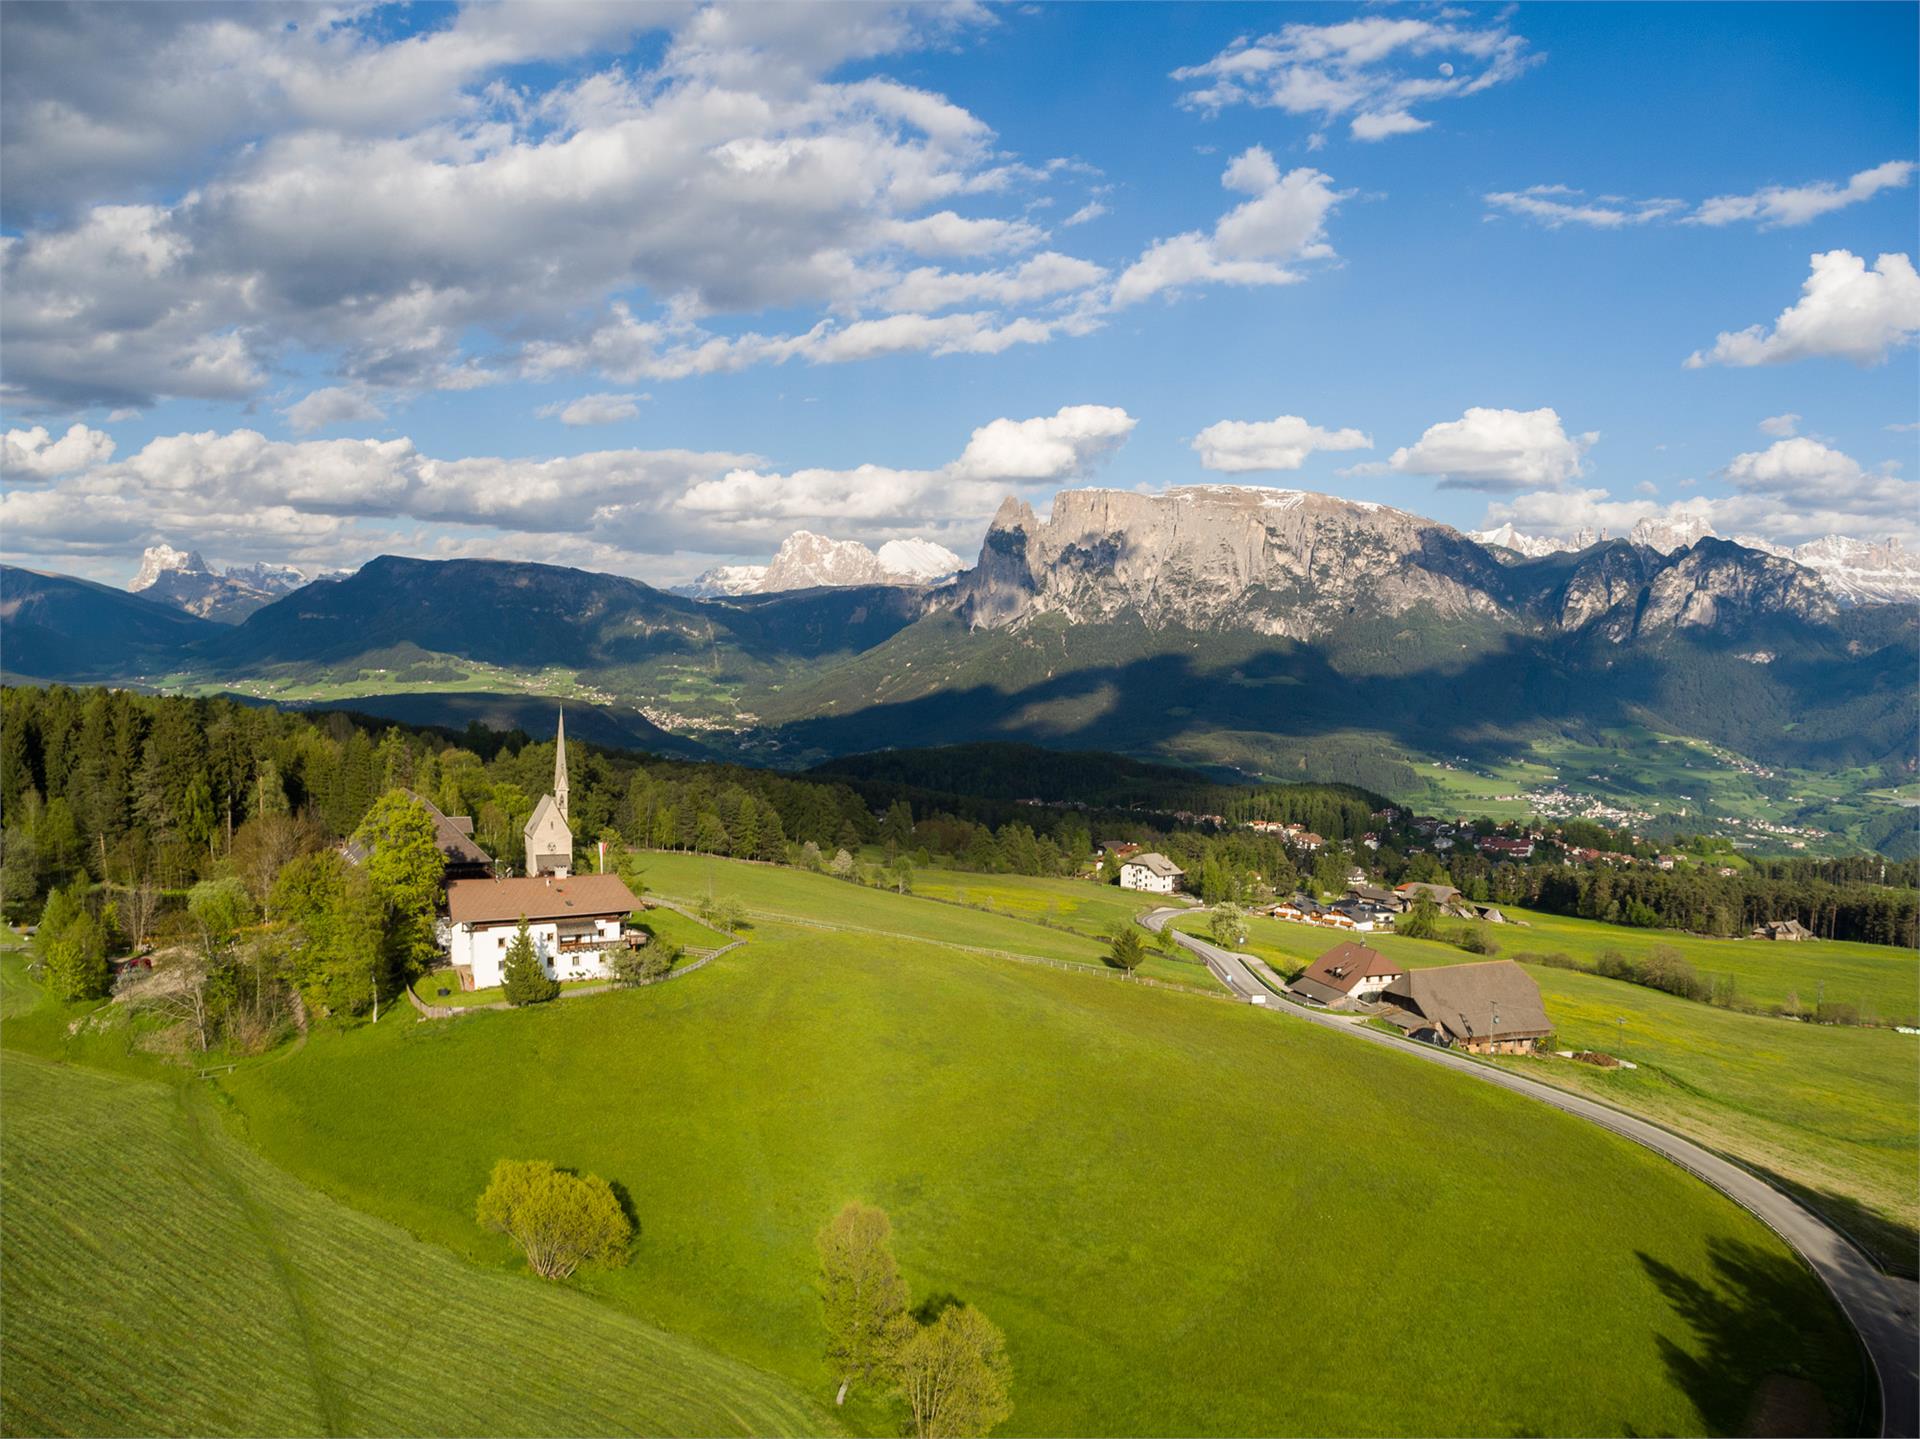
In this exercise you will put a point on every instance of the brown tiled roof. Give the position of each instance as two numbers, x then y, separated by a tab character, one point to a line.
1461	999
452	834
1345	965
503	901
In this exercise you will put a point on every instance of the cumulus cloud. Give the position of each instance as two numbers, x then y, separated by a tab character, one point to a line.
1779	205
1060	446
1794	490
593	409
1497	450
1039	278
1252	244
396	205
1845	311
336	501
36	455
1371	71
1283	443
1786	424
334	405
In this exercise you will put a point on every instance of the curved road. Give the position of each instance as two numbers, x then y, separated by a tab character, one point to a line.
1880	1308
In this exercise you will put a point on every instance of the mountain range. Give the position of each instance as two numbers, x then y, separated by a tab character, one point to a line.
1273	631
1854	571
809	561
183	579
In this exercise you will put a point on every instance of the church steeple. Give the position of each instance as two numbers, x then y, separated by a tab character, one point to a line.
560	768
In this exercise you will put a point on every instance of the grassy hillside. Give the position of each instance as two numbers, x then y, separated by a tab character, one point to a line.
163	1279
777	893
1170	1205
1835	1111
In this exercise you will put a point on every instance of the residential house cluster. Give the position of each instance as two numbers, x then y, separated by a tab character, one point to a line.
1492	1007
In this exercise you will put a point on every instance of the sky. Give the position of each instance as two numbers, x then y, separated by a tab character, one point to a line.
646	287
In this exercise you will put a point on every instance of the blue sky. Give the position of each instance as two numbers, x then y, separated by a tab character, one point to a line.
316	284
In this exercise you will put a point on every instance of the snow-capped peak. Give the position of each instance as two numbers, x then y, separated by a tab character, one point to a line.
1667	533
1532	546
918	561
157	560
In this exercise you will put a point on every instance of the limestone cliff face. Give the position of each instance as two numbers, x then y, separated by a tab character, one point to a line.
1279	562
1295	564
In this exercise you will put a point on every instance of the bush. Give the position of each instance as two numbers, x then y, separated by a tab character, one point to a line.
558	1219
628	968
1476	940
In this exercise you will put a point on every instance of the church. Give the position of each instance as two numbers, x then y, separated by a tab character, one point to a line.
549	840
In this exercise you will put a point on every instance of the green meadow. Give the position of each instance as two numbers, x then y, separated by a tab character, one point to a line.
1133	1183
161	1278
1832	1111
773	893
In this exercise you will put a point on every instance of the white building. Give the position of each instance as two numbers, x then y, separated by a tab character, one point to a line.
1154	873
573	923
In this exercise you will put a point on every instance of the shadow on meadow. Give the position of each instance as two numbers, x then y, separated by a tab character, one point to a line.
1747	1319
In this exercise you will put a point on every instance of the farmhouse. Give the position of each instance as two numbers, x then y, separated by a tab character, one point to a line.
1440	894
1489	1008
1346	974
549	840
452	835
1383	898
1782	929
573	923
1152	872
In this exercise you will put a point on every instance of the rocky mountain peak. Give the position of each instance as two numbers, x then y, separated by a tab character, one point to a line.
1280	562
162	559
183	579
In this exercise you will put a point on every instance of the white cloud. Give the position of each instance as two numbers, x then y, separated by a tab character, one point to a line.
1283	443
593	409
334	405
1004	453
1497	450
1794	490
1786	424
1905	429
1557	205
428	210
949	234
1059	446
1045	275
1845	310
1285	221
337	501
35	455
1375	125
1092	210
1779	205
1372	70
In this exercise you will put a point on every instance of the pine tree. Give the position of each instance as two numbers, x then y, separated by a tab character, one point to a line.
522	976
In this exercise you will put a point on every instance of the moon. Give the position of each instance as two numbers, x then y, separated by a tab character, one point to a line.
1446	67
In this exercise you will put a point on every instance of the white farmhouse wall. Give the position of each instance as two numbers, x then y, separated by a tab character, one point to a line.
483	949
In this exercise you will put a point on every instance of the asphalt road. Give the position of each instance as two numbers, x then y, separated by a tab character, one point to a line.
1880	1308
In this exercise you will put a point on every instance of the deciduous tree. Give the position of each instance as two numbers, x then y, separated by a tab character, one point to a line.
862	1295
559	1220
954	1376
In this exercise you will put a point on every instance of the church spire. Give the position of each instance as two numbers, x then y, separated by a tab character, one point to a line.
560	768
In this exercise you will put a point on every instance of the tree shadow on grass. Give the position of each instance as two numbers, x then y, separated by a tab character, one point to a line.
1760	1358
934	1305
